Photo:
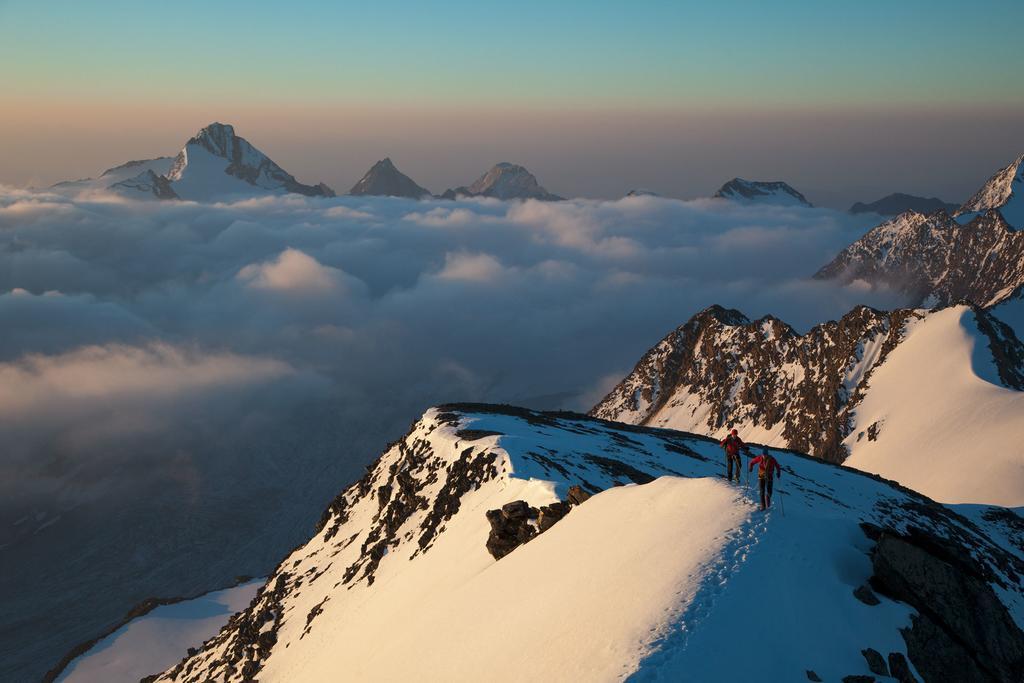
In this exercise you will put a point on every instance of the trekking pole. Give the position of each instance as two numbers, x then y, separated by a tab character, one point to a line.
782	505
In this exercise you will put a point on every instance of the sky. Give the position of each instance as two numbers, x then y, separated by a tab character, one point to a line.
845	101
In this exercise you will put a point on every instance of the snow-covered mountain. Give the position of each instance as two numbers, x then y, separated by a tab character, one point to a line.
217	164
929	398
214	165
112	176
640	192
384	179
937	259
1003	191
764	192
504	181
847	575
898	202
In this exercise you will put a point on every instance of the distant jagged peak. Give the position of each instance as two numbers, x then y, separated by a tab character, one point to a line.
198	168
769	192
384	179
505	181
1003	191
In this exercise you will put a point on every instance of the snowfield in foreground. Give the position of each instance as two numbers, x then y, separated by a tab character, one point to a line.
674	575
635	556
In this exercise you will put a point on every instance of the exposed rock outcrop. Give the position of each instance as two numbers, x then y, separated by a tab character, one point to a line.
736	371
962	631
517	523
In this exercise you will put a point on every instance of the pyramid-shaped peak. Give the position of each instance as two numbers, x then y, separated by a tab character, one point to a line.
384	179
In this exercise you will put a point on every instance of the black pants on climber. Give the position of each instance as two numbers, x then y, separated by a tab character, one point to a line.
733	460
765	486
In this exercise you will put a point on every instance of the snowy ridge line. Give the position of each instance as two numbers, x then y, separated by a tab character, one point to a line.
845	392
717	370
141	609
401	546
935	259
974	255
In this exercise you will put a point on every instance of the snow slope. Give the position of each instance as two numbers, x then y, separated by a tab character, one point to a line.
159	638
678	526
661	580
929	398
112	176
1003	191
947	427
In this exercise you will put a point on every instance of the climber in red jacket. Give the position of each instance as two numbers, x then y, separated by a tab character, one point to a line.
768	469
732	445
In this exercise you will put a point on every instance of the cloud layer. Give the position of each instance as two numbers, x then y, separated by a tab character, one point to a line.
392	304
211	374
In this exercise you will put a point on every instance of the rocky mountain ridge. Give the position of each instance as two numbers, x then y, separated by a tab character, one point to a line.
720	370
974	255
935	260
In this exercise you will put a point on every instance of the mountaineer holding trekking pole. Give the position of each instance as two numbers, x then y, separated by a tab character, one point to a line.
732	445
767	472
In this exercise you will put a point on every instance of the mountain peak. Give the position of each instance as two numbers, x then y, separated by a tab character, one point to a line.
505	180
384	179
1003	191
727	316
935	259
217	138
216	163
769	192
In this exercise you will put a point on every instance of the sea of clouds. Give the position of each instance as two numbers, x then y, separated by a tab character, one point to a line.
210	372
126	319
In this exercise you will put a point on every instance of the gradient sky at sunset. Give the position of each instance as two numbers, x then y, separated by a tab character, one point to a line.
595	97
